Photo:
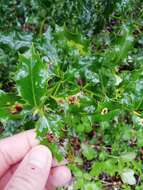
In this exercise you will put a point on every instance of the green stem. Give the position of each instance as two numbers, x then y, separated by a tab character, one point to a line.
57	88
42	27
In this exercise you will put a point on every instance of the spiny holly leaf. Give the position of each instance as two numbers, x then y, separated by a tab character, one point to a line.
46	134
10	105
120	50
31	78
43	127
125	44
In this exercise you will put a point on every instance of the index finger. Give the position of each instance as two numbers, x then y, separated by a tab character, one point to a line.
14	148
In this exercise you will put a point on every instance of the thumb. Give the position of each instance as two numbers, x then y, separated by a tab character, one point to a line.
33	171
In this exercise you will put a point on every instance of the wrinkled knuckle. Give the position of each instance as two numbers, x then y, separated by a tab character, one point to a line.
18	182
5	156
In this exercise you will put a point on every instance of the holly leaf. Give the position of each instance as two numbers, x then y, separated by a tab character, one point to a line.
31	78
45	133
43	128
129	156
128	177
88	152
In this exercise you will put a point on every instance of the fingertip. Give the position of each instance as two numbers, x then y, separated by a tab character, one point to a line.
41	155
33	172
14	148
43	148
60	176
31	138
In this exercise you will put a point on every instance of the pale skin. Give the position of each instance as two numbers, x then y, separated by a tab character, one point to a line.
24	164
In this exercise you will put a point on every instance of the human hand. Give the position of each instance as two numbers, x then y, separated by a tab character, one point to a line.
25	165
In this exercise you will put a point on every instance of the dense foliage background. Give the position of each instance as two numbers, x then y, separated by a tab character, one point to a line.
74	70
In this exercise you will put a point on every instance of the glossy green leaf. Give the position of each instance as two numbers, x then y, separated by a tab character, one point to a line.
32	78
45	128
128	177
88	152
129	156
